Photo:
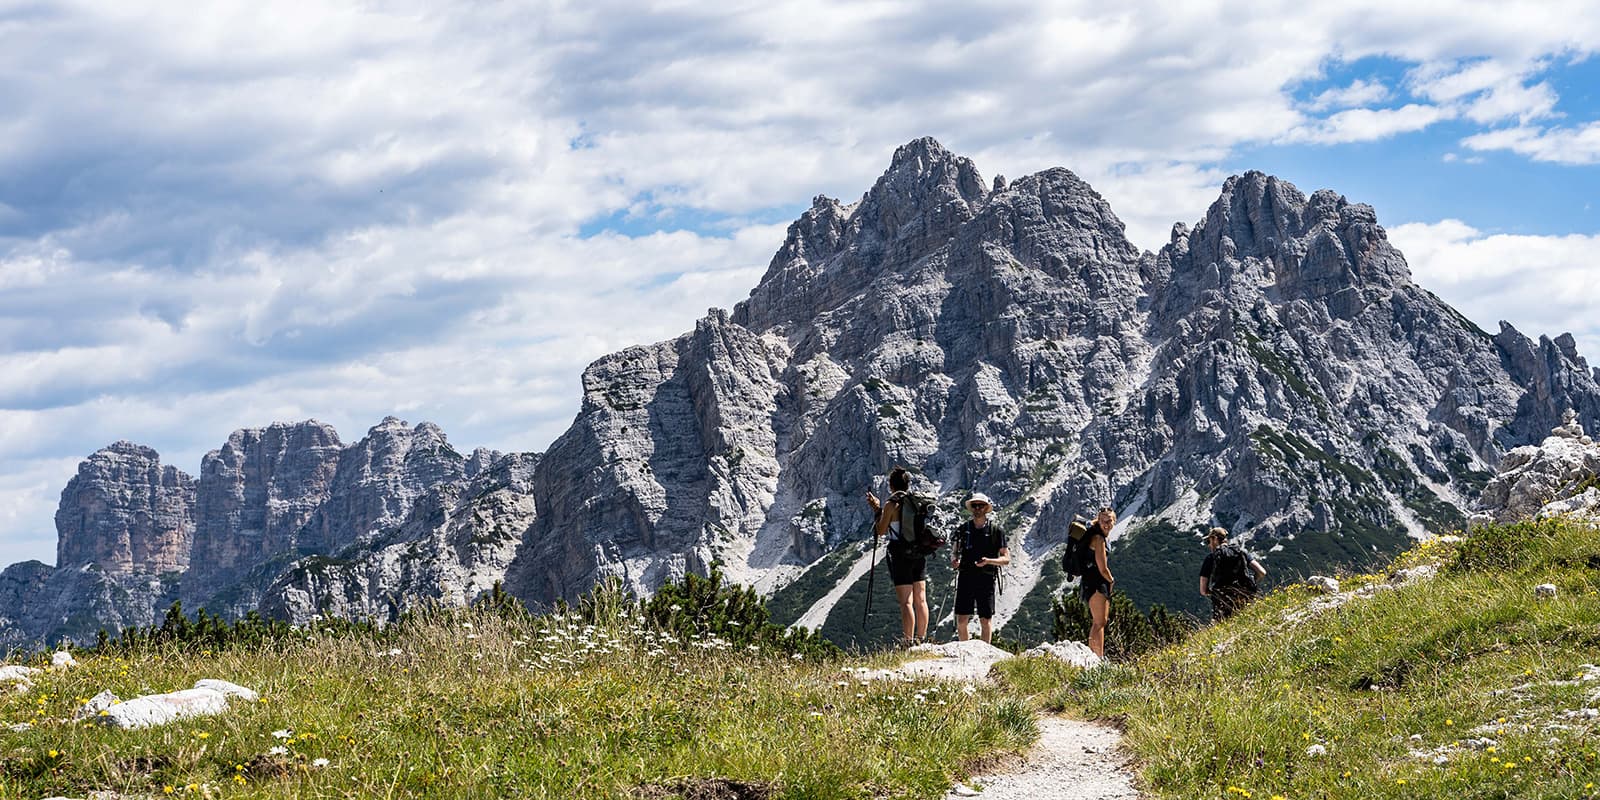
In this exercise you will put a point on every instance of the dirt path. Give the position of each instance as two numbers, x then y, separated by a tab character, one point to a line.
1072	761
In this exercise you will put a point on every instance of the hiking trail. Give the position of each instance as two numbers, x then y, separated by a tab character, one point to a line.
1072	760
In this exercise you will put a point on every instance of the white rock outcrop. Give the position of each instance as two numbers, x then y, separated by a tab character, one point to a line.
208	698
1560	476
968	661
1075	653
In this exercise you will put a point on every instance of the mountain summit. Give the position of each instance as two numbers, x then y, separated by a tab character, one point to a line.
1273	369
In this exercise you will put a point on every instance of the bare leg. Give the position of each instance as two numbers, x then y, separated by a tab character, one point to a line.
986	629
908	614
1099	609
919	599
961	627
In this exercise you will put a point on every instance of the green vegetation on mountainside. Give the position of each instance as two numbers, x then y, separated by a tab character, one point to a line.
1461	685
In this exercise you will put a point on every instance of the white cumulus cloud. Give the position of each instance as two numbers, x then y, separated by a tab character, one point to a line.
1540	284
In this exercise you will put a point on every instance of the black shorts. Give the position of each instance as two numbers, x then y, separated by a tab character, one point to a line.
905	568
1091	583
975	592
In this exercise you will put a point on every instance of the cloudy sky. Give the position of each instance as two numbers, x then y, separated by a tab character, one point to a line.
217	218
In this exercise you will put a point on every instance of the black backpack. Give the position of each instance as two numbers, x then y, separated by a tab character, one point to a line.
918	532
1078	561
1231	569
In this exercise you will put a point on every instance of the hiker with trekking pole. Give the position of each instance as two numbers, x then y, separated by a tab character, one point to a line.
980	552
906	519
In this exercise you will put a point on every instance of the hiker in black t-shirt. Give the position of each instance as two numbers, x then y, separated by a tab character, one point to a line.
980	552
1097	581
907	568
1228	576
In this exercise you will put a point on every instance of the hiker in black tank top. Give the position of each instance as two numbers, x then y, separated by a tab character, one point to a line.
1097	583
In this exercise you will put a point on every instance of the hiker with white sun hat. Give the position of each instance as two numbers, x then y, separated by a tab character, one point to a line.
980	552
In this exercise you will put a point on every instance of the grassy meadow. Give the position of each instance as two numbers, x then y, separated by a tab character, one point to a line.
478	705
1460	685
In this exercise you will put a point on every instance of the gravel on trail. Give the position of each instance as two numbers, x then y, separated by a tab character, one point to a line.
1072	760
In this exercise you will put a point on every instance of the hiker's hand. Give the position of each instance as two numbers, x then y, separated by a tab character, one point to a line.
955	561
872	500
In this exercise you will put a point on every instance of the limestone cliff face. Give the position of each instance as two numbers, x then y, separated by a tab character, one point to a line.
256	493
1560	476
271	503
124	511
453	547
378	479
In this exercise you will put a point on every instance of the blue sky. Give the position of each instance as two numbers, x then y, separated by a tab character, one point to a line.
220	218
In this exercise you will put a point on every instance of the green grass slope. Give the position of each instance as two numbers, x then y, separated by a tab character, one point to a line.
1459	685
478	705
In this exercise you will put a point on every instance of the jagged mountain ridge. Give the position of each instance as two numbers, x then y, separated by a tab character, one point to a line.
1274	369
273	510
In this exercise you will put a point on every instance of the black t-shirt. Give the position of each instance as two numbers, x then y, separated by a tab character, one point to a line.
976	543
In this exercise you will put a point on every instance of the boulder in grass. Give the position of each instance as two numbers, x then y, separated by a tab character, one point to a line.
62	659
16	673
229	689
208	699
1412	575
1075	653
1545	591
1323	585
96	704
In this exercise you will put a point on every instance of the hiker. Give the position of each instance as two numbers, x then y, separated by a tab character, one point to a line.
1228	576
1097	581
908	567
980	552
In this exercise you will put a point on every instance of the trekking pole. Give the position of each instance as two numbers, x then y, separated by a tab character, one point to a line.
872	574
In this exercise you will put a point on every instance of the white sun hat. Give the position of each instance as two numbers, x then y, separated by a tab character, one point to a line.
979	497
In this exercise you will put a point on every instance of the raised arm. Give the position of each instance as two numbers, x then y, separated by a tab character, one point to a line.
886	513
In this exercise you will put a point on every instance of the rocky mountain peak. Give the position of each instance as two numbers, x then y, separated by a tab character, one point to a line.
378	479
256	492
926	190
1558	380
832	251
1272	369
126	512
1323	253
